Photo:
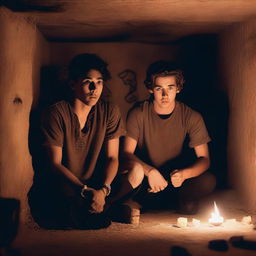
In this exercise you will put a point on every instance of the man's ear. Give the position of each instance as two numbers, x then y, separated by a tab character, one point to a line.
150	91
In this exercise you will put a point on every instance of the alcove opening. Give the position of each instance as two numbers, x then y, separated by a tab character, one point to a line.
218	62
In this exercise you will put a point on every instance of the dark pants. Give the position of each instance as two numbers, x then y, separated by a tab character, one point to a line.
191	190
80	217
60	206
78	209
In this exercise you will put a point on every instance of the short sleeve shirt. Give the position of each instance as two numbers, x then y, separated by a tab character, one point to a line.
81	149
161	140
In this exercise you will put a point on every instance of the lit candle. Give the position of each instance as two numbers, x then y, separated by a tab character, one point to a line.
216	219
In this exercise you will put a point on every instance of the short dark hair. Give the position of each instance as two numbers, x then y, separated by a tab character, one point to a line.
163	68
81	64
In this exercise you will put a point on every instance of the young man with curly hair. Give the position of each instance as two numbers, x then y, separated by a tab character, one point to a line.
153	148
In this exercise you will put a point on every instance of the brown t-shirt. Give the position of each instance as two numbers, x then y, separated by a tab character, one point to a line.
81	149
161	140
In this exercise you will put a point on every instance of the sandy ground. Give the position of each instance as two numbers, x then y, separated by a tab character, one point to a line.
155	235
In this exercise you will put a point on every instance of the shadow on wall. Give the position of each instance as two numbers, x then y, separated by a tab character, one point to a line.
53	88
9	221
199	59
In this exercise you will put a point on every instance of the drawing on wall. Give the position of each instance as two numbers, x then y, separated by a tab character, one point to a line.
129	78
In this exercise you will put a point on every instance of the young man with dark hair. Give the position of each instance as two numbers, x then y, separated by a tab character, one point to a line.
156	131
81	137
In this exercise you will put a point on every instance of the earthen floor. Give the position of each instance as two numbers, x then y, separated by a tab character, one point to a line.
155	235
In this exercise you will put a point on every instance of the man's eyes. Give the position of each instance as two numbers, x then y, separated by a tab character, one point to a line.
86	82
160	88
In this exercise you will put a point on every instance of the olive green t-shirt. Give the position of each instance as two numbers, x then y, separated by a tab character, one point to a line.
161	140
81	149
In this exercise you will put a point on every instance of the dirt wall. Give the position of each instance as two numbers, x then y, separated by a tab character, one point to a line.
238	65
23	51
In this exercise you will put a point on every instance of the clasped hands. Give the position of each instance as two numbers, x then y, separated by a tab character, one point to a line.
97	200
158	183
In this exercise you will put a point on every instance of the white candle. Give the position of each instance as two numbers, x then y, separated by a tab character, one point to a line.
247	220
182	222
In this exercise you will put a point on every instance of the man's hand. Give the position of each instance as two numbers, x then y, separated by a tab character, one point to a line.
98	201
156	181
177	178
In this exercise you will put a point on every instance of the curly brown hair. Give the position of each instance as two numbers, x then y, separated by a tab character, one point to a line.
81	64
163	68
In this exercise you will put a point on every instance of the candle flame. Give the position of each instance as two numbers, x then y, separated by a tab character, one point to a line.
216	218
216	210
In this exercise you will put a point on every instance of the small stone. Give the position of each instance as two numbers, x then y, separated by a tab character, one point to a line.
135	216
236	241
240	242
195	222
179	251
247	220
182	222
218	245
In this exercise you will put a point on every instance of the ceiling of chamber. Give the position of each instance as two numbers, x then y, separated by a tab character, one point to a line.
149	21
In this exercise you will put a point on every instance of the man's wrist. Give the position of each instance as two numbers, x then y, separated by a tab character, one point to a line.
184	173
150	170
106	189
83	190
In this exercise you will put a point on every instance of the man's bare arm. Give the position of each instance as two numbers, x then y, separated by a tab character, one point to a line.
98	199
128	153
155	179
201	164
55	157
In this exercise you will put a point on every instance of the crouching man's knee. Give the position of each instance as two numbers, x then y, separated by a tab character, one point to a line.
136	174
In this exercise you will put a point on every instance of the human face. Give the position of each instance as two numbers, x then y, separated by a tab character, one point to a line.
89	88
165	90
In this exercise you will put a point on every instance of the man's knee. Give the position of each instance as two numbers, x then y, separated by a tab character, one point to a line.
198	187
136	174
207	183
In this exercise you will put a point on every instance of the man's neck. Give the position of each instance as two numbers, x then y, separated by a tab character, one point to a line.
80	108
164	110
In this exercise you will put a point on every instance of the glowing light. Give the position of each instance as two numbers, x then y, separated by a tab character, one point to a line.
216	219
195	222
